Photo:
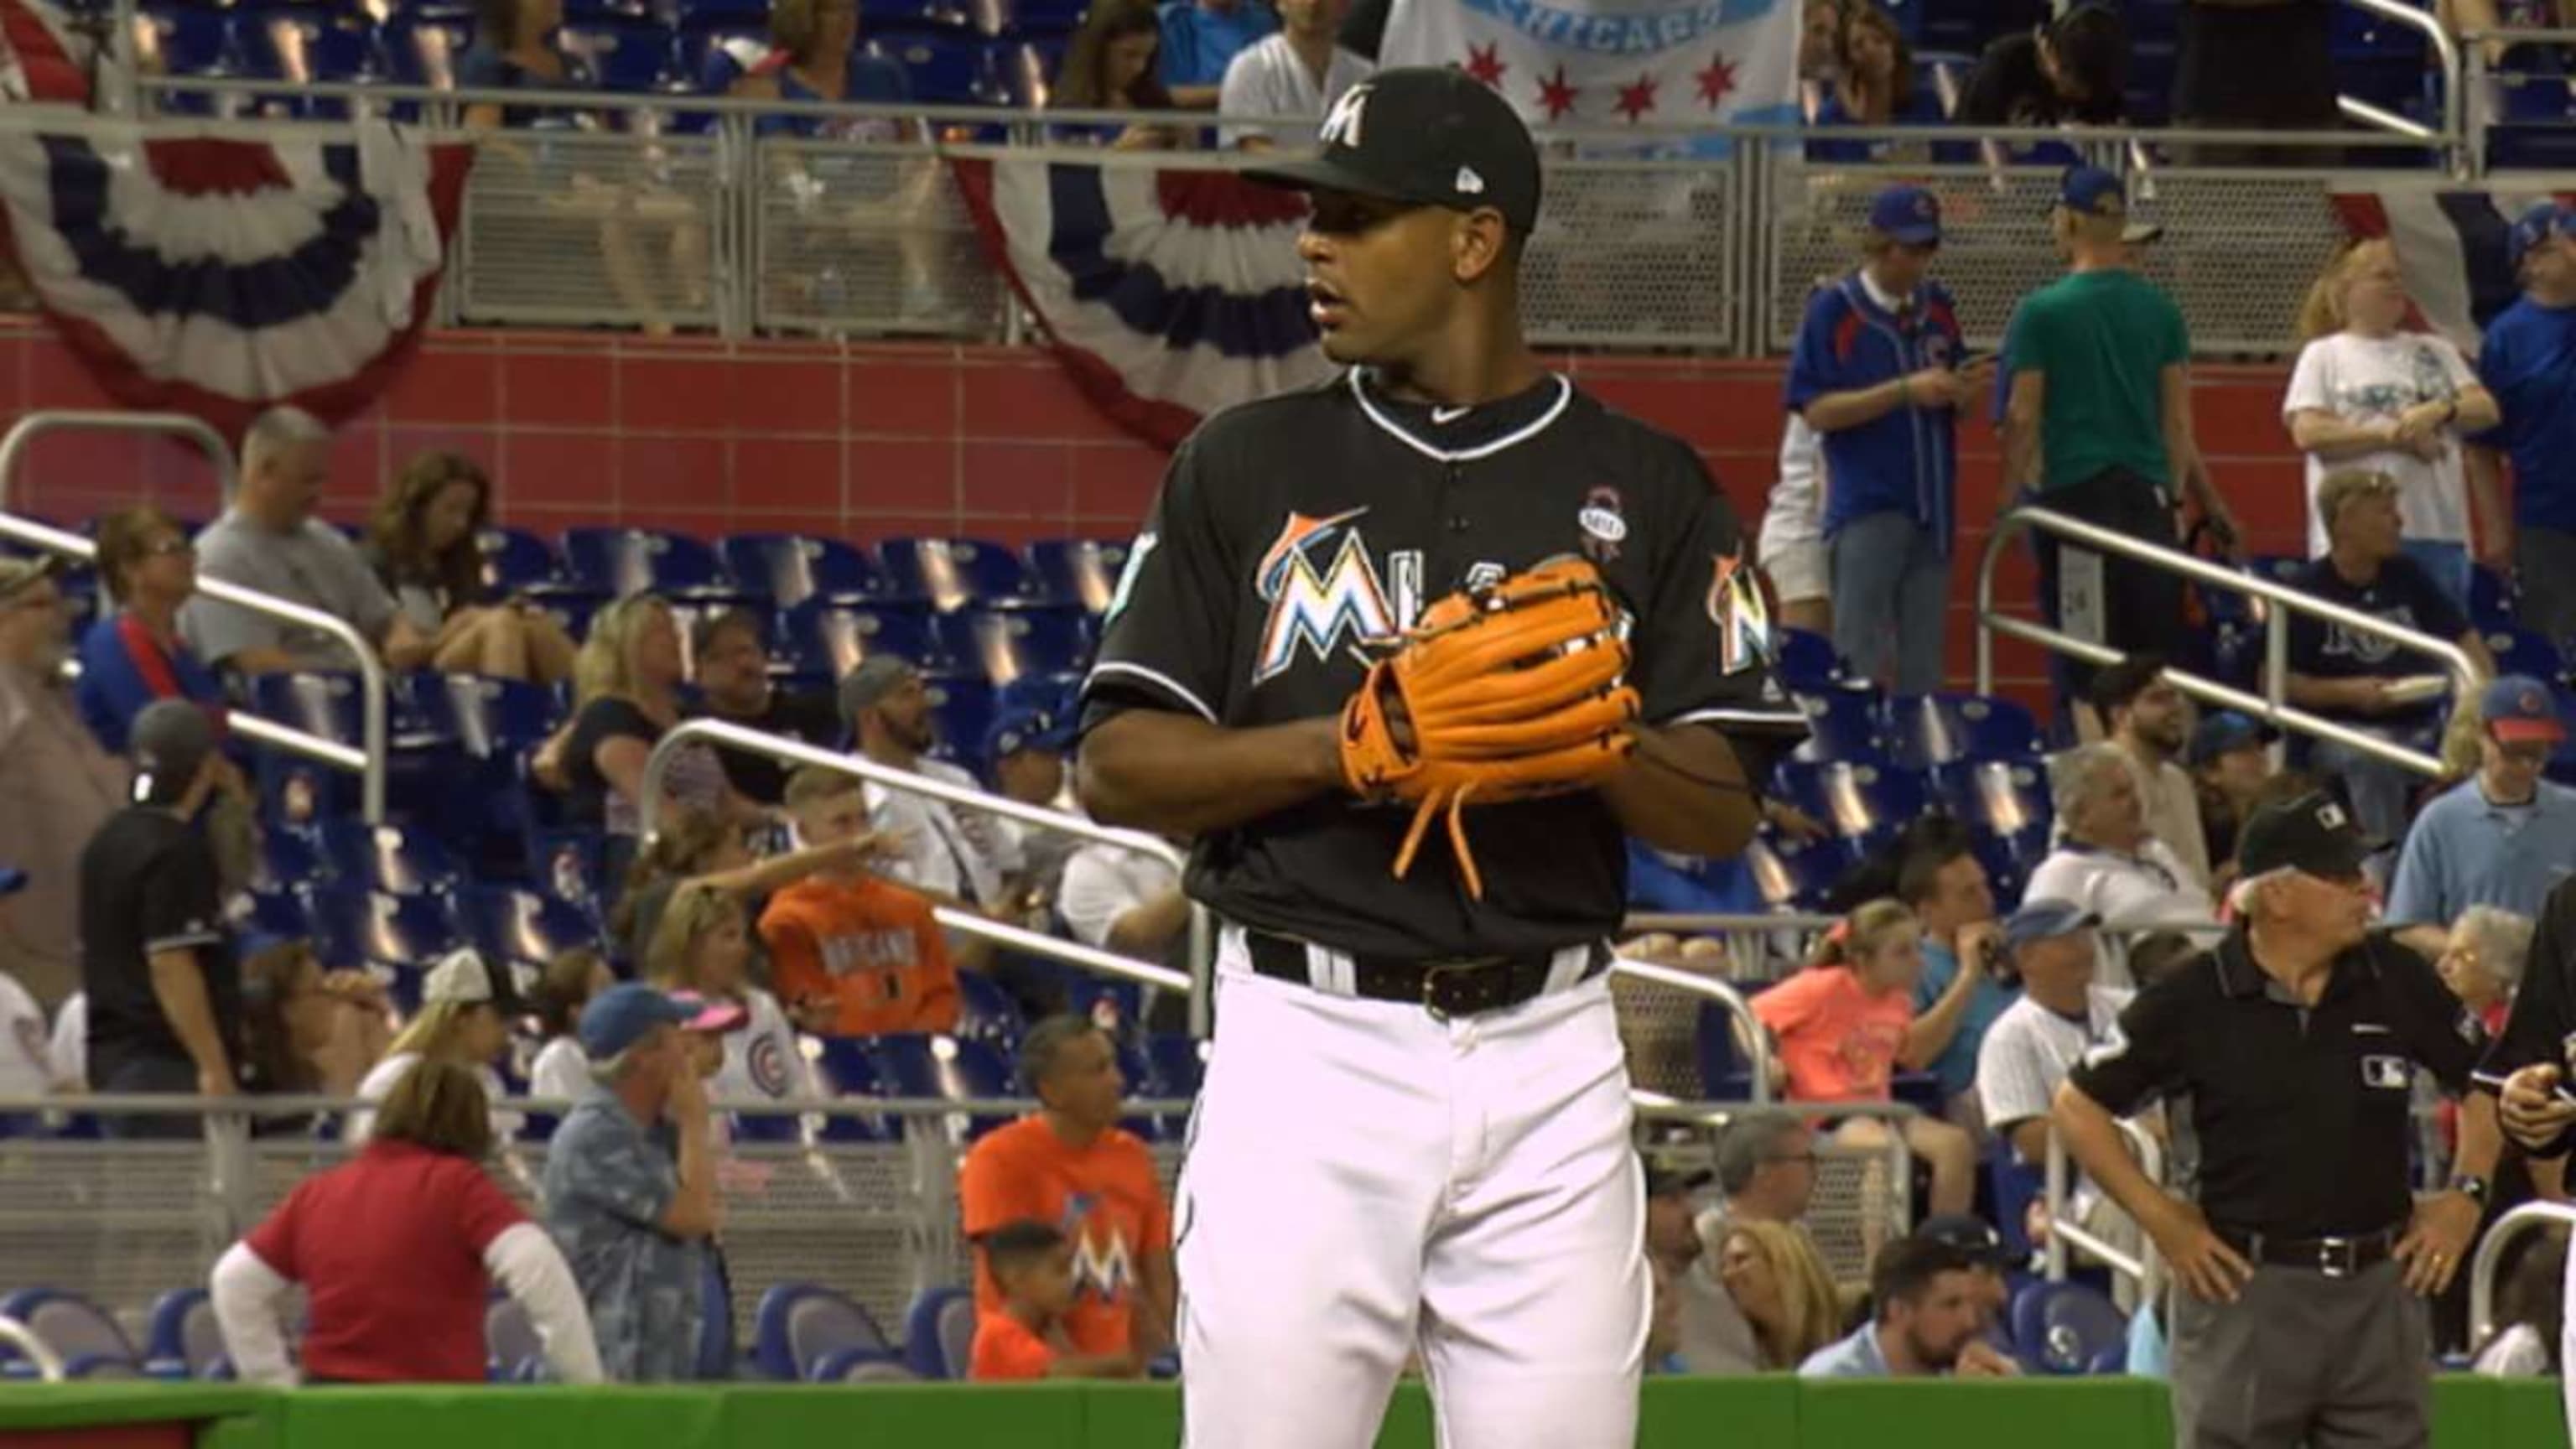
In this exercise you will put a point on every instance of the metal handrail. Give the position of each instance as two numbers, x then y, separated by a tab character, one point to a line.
49	1364
797	752
2490	1256
2446	53
2271	705
1757	1040
23	433
367	763
2146	1267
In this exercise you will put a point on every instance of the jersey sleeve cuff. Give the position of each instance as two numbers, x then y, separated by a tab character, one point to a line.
185	941
1153	680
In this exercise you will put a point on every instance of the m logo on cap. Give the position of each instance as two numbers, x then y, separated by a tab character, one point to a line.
1342	127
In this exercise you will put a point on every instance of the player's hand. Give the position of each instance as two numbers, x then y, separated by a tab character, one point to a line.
2534	1114
2370	696
688	1101
1933	387
2422	421
2213	1271
815	1014
214	1083
1980	945
2437	1242
1982	1360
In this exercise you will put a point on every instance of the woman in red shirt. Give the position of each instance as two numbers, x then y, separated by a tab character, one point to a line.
397	1250
1841	1027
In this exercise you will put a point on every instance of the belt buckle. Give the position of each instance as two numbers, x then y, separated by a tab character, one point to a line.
1436	972
2335	1257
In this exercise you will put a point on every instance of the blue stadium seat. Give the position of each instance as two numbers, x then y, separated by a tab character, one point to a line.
794	567
1078	571
2490	598
724	12
515	559
2060	1328
509	1340
986	1013
1939	729
939	1333
1861	802
951	572
1787	875
941	1067
1004	644
861	1366
799	1324
1724	1076
509	924
627	54
1807	662
72	1326
845	1069
572	866
963	705
1045	17
2005	796
497	719
187	40
422	45
388	858
1175	1065
355	924
878	17
1842	724
820	636
2523	651
1056	694
289	859
306	44
185	1340
2015	1185
280	913
622	561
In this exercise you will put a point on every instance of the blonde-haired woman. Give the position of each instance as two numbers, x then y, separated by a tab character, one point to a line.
626	696
2370	395
423	545
702	944
1780	1286
1840	1028
464	1020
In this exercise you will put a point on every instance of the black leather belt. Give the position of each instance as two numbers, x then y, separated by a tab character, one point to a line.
2334	1257
1456	986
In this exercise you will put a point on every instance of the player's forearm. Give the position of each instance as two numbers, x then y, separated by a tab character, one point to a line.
2481	1136
2093	1140
1931	1031
1836	411
1178	775
1684	791
179	988
2317	431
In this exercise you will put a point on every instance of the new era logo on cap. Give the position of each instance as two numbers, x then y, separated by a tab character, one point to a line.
2330	815
1469	183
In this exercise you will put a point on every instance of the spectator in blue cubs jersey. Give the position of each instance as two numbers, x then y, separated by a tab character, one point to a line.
1878	372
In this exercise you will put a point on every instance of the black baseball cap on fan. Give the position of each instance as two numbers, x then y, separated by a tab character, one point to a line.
1431	135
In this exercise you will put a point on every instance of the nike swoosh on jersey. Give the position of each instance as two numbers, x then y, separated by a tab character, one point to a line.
1449	415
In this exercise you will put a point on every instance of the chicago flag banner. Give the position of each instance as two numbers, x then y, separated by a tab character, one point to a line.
1167	293
1603	63
223	277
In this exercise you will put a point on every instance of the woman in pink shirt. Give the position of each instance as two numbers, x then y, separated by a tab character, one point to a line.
1840	1028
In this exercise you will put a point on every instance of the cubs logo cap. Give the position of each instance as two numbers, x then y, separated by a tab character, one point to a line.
2092	191
2519	709
1909	215
1431	135
2538	223
2314	833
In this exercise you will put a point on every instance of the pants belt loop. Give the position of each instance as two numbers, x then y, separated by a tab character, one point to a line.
1566	967
1329	971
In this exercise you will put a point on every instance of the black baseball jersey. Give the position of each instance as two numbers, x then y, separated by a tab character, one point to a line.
2293	1120
1291	529
2542	1029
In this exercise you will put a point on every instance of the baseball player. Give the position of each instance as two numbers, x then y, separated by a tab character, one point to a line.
1407	654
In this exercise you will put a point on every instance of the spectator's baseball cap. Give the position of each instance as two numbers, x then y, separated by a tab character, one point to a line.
1431	135
1908	215
169	740
2042	919
1971	1235
2519	709
1665	1180
462	976
2314	833
710	1015
2538	223
1028	729
19	573
2092	191
2225	732
625	1014
2141	233
872	680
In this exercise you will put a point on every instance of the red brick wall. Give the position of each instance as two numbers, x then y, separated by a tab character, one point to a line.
866	441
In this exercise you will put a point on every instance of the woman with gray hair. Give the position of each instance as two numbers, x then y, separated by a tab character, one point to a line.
2482	961
2105	861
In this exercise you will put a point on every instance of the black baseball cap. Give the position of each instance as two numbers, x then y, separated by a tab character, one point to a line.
168	740
1432	135
1971	1235
2313	833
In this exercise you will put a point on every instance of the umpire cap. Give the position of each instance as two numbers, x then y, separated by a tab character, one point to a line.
1431	135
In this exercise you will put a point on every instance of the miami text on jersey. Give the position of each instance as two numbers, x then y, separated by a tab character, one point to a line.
1318	609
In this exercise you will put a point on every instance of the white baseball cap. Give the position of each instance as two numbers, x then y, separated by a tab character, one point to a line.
461	977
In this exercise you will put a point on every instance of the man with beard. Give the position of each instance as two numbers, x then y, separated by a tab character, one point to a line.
937	851
1926	1320
2151	723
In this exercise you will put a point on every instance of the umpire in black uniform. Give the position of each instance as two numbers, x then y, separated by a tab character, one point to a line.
2288	1054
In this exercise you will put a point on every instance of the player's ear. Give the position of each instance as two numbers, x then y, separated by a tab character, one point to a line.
1479	243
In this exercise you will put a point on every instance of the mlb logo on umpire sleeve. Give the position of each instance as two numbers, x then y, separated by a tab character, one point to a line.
2386	1073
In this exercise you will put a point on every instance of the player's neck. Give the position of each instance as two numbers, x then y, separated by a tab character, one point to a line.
2293	958
1896	1351
1069	1132
1465	369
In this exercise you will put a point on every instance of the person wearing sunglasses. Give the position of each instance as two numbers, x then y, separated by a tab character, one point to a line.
135	655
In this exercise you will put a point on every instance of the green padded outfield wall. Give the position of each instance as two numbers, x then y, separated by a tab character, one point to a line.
1769	1413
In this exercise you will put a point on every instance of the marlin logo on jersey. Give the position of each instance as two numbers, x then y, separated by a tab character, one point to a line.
1100	1270
1317	609
1743	620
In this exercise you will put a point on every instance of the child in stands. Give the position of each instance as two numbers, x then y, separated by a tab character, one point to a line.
856	955
1033	1262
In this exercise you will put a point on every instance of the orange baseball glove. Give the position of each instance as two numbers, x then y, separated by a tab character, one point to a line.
1500	693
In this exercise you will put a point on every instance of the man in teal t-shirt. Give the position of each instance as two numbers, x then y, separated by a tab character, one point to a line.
2099	426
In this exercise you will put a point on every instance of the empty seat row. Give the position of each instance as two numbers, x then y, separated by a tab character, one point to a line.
945	573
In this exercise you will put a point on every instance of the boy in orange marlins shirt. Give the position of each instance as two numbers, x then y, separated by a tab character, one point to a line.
852	954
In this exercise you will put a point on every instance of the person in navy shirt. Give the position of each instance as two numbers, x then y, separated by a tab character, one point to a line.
1877	373
134	655
2528	360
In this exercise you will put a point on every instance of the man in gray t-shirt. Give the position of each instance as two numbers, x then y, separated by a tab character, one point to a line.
270	541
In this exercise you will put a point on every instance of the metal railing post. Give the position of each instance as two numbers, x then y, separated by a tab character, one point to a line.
1757	1049
2446	54
25	431
2500	1234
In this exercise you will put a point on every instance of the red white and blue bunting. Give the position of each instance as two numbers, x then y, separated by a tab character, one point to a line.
220	277
1167	293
